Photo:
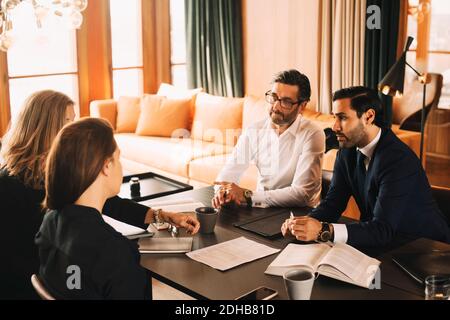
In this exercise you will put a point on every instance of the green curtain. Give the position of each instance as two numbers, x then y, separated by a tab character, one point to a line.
381	49
214	46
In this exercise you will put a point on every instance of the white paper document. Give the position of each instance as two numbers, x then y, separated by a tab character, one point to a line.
176	205
124	228
229	254
159	203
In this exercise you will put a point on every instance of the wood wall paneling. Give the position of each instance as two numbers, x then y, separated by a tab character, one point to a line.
94	55
280	35
5	114
156	43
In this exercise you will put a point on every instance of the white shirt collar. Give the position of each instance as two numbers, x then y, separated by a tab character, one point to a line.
369	149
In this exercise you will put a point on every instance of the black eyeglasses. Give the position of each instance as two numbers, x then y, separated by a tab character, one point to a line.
285	103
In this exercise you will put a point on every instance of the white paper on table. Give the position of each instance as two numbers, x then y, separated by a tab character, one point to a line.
185	207
124	228
229	254
156	203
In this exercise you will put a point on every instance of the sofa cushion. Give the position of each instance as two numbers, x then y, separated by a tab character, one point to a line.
254	110
173	92
217	119
128	110
207	169
105	109
168	154
163	117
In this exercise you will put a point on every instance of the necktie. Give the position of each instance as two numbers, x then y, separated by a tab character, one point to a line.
361	173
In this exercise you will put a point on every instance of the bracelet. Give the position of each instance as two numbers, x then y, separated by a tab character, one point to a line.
157	216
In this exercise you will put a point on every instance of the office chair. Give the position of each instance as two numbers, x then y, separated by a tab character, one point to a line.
326	181
407	108
331	141
442	198
40	289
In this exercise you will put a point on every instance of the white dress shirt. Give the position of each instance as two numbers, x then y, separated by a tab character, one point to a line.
340	230
289	165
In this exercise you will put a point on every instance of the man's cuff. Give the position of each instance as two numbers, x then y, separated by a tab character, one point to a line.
340	233
259	199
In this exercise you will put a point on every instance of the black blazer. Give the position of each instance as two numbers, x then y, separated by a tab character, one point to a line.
397	197
108	264
21	217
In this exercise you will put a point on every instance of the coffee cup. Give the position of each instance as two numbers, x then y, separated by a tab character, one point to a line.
207	216
299	283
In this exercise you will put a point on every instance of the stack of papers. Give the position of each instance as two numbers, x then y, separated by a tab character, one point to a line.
178	205
229	254
124	228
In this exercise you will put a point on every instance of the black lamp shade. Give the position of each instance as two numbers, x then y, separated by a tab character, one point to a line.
392	83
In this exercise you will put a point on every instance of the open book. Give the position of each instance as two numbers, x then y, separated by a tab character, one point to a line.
341	262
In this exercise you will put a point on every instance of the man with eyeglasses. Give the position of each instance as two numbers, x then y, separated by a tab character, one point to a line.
286	148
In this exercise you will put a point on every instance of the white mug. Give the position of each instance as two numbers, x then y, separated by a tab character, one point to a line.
299	283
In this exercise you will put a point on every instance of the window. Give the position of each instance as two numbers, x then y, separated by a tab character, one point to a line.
126	45
40	58
178	43
439	46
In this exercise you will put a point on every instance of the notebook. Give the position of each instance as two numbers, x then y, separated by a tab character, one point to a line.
165	245
266	226
421	265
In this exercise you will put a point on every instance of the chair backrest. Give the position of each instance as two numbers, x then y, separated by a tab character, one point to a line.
331	141
326	181
40	289
407	108
442	198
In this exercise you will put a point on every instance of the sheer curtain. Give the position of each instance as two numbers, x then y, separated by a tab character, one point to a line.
342	24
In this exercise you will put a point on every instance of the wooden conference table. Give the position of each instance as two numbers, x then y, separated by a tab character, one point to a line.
203	282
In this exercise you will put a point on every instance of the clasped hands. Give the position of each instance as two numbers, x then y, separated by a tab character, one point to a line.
227	193
302	228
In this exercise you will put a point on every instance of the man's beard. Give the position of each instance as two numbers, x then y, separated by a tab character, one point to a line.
353	137
281	119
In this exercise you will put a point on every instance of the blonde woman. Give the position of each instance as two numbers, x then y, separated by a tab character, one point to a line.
22	171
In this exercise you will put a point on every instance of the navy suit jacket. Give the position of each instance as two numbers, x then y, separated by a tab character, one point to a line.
397	196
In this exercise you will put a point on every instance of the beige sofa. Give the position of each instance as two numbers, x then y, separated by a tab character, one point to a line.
198	159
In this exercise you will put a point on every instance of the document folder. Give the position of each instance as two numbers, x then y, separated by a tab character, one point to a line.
421	265
268	226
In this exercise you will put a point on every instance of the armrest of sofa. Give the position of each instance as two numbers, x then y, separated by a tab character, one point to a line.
105	109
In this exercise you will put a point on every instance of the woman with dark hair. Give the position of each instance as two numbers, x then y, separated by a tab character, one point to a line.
83	170
22	169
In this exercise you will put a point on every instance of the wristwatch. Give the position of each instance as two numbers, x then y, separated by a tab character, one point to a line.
324	233
248	197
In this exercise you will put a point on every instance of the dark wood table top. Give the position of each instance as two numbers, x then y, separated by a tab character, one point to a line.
203	282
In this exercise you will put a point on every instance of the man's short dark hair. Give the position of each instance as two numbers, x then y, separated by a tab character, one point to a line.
295	78
362	99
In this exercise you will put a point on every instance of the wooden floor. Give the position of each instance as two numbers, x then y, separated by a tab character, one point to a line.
162	291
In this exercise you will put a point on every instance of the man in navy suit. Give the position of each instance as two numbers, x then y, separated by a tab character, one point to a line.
383	175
